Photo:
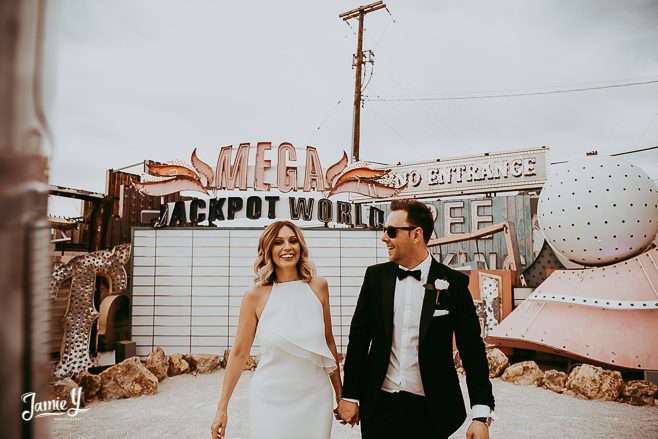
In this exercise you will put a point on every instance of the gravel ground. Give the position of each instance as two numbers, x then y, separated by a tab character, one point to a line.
185	405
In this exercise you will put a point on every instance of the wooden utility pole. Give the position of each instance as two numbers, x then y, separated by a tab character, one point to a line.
359	14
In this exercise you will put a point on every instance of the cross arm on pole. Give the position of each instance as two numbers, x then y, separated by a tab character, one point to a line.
372	7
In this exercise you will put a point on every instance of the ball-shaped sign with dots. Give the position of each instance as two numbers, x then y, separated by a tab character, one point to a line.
598	210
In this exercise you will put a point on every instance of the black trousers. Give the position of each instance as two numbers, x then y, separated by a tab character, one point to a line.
400	415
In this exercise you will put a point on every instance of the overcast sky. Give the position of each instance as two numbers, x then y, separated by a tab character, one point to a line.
133	80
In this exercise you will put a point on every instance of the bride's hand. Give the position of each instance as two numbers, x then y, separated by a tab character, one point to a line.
218	426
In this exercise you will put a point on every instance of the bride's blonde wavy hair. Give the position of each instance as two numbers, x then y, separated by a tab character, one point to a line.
264	266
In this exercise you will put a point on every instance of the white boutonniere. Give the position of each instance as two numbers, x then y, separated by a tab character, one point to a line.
440	287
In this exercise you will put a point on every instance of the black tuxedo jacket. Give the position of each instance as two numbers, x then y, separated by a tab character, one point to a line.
371	336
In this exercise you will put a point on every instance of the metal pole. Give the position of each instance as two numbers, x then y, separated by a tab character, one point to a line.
356	129
359	13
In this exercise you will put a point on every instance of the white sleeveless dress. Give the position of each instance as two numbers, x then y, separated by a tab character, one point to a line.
290	396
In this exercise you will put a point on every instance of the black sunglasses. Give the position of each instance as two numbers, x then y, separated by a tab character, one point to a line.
392	231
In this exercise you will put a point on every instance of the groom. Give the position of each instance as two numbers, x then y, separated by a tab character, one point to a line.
400	378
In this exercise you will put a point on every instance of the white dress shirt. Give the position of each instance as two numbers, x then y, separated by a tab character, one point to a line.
403	372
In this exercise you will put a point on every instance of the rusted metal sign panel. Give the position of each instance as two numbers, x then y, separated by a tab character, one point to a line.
462	216
605	314
489	172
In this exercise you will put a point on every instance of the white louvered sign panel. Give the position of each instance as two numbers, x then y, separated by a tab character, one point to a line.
187	284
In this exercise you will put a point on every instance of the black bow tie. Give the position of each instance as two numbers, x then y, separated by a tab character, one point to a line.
401	273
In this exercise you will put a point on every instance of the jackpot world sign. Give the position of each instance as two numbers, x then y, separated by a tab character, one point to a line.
240	170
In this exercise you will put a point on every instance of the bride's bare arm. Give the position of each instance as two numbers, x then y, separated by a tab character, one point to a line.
322	287
239	353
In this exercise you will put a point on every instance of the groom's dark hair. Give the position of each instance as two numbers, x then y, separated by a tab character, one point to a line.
418	215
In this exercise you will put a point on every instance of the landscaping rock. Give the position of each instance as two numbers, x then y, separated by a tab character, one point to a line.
498	362
62	390
459	367
158	363
523	374
127	379
554	380
250	364
594	382
204	363
90	384
639	392
177	365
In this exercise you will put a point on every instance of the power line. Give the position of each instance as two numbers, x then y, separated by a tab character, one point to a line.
350	26
646	130
383	33
568	85
444	129
130	166
330	113
393	129
372	69
510	95
434	76
649	148
633	151
417	122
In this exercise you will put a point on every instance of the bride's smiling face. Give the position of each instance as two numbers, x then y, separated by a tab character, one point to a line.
286	249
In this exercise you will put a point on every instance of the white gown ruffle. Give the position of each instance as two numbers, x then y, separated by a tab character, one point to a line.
290	395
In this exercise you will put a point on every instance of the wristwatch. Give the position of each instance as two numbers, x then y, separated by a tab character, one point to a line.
486	421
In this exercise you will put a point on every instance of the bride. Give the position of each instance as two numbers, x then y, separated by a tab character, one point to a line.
288	307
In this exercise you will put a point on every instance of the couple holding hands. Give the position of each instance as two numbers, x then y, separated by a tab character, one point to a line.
399	375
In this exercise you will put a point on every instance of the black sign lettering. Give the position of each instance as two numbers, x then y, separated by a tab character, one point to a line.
197	211
344	214
254	205
216	210
178	215
325	210
271	206
195	217
303	206
358	216
376	220
234	205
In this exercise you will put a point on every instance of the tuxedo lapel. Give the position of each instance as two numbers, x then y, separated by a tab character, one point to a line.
429	300
388	297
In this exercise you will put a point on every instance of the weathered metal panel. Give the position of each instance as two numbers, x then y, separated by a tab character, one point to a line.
605	314
516	209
